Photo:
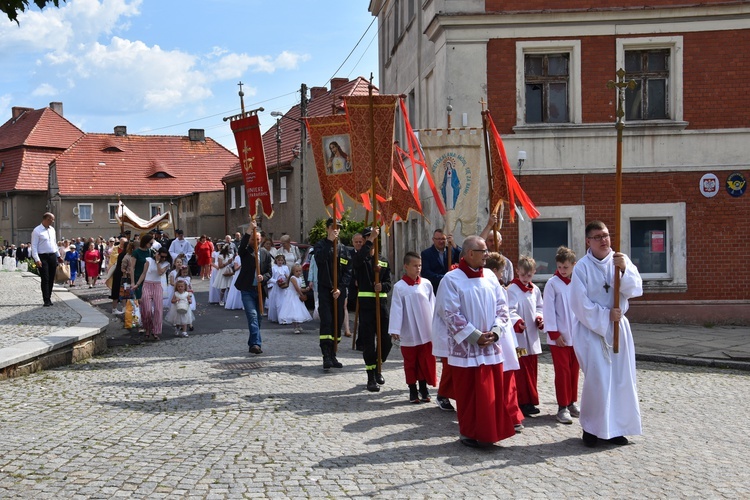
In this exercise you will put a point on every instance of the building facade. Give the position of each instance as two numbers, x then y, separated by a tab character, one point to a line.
542	69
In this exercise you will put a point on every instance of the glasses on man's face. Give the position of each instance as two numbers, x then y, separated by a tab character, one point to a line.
440	239
485	251
599	237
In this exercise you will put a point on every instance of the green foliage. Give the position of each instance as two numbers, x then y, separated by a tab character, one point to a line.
32	266
349	228
11	8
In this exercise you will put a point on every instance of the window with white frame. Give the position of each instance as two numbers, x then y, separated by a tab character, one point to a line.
156	209
5	209
282	189
85	212
243	196
541	237
653	236
270	188
548	79
655	63
112	212
232	198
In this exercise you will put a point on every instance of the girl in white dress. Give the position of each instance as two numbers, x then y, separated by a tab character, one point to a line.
234	296
180	313
170	283
292	308
277	283
226	258
213	292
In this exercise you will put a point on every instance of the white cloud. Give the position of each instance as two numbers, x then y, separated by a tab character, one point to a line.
44	89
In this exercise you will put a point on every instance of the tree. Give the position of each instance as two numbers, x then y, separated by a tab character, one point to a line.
11	8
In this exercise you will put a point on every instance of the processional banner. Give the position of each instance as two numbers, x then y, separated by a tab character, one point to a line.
247	135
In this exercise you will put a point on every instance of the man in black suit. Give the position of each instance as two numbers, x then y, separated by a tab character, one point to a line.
435	258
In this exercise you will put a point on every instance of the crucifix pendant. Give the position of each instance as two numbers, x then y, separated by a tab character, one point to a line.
606	287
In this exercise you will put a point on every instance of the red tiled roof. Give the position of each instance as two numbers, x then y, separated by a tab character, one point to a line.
93	166
321	105
41	128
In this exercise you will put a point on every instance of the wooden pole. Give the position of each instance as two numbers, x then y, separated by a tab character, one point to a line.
620	85
257	268
335	281
374	202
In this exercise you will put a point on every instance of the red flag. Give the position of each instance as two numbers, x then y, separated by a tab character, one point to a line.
504	184
252	162
402	199
360	123
331	144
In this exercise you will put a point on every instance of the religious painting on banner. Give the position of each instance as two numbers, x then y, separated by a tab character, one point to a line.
247	135
331	143
370	116
454	161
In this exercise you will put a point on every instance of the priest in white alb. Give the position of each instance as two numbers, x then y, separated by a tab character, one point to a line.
609	400
471	316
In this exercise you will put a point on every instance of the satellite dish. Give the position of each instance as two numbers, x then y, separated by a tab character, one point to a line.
75	210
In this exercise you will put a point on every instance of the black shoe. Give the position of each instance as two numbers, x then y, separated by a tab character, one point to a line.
619	440
372	385
326	362
335	362
529	410
255	349
413	394
589	439
379	378
444	404
424	393
471	443
47	304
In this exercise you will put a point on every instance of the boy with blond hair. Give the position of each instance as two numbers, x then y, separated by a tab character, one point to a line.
412	309
526	312
559	322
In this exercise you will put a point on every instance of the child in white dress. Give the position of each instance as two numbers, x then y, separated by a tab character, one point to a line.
292	308
171	277
180	313
276	285
234	296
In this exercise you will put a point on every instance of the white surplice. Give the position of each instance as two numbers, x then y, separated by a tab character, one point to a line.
412	310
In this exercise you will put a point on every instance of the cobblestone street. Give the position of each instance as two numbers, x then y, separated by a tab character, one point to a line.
199	417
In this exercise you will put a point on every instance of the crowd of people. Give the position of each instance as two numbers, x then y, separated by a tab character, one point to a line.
464	307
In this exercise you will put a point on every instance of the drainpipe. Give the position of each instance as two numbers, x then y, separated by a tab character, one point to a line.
226	214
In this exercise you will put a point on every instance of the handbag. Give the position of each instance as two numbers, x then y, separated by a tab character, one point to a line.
62	273
284	283
182	306
125	288
228	270
132	317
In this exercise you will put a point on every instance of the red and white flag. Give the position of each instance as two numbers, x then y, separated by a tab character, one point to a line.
247	134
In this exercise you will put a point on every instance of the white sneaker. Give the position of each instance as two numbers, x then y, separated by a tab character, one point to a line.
118	312
574	411
563	416
185	334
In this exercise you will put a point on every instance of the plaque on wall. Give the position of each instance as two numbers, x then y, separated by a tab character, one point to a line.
736	184
709	185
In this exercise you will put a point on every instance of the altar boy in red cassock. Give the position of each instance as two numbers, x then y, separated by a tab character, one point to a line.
471	315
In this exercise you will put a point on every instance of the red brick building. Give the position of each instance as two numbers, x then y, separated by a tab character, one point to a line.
543	69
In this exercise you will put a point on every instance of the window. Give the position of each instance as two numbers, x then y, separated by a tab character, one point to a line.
282	189
270	188
155	209
548	236
548	79
243	200
648	246
650	70
555	226
655	63
232	198
5	209
85	212
653	236
112	211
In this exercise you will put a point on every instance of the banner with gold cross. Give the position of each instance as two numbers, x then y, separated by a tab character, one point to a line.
247	134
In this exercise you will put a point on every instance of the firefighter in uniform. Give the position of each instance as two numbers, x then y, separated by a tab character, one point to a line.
365	274
328	297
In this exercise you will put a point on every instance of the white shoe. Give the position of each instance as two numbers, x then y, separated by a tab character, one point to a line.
574	411
563	416
183	334
118	312
221	304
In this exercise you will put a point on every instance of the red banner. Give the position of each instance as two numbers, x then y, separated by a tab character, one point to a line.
504	184
252	162
362	127
331	144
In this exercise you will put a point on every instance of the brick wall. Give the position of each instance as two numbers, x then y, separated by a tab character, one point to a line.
716	249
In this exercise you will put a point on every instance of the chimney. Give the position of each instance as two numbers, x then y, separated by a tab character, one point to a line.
197	135
56	107
18	111
337	83
317	92
121	130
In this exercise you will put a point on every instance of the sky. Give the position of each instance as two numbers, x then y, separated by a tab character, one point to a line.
165	66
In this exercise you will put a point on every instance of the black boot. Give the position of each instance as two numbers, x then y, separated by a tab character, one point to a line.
372	385
326	357
335	362
424	394
413	394
379	378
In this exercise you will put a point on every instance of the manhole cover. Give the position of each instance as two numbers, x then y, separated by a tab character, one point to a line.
242	365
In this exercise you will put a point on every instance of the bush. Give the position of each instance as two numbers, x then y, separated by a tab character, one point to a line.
349	228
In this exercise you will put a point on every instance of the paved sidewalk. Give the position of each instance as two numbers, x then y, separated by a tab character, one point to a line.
23	320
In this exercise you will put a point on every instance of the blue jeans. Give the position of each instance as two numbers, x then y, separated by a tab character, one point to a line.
250	304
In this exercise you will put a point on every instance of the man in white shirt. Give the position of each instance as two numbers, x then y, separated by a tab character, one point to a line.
180	245
46	254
